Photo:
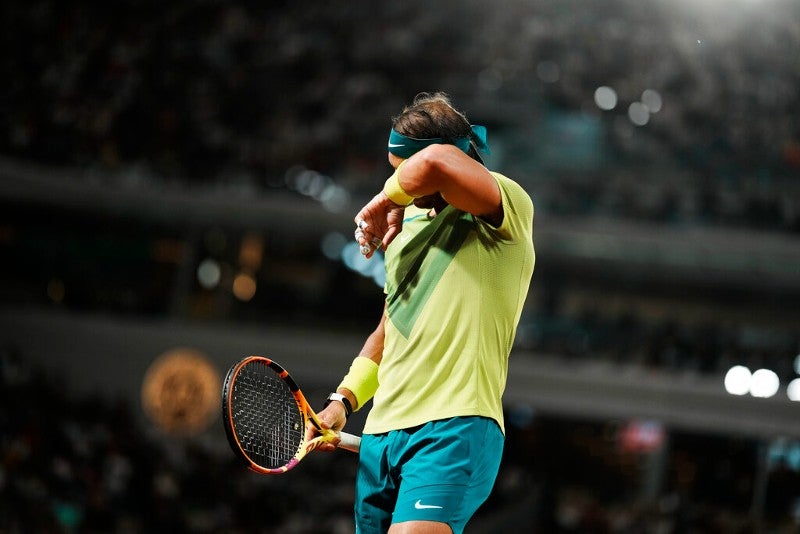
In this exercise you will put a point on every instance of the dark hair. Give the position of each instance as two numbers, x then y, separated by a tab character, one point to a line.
432	115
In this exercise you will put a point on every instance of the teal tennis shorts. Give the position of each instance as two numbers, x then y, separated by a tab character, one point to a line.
441	471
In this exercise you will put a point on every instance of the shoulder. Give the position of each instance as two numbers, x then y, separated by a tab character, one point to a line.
514	195
517	207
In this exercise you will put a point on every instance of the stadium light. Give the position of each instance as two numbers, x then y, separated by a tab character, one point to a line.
605	97
765	384
737	380
793	390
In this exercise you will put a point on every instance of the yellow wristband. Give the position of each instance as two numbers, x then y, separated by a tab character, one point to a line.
395	191
361	380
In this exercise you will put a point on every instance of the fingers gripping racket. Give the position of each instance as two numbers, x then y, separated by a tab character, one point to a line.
265	415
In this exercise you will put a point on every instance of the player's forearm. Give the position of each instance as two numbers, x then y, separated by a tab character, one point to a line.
463	182
361	381
373	346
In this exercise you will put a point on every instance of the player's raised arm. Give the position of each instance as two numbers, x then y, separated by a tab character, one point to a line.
437	175
461	181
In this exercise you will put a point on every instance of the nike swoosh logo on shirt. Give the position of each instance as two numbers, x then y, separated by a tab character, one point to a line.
419	506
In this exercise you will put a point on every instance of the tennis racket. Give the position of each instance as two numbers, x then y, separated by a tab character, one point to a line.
265	415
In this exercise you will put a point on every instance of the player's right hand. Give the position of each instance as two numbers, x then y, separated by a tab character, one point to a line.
333	417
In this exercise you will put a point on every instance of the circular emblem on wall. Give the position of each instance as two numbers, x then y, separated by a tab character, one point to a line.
181	392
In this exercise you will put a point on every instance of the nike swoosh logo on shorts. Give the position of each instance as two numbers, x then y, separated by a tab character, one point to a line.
419	506
392	145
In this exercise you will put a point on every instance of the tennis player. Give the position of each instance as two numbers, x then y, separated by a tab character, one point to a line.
458	243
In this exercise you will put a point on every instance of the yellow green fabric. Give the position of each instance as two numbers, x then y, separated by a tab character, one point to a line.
455	287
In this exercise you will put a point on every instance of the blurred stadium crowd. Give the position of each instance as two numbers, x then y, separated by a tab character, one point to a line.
240	90
84	464
88	465
679	113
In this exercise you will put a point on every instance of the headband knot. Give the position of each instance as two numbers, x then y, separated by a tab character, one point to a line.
404	147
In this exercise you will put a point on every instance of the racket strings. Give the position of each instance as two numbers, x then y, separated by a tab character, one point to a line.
266	418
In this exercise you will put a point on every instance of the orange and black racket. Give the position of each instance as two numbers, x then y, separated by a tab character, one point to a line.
265	415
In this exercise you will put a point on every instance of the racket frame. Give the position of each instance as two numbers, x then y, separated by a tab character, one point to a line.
308	416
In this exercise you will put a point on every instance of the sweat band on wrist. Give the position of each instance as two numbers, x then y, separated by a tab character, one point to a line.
395	191
361	380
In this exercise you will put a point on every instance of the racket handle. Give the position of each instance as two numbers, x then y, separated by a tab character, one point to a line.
349	442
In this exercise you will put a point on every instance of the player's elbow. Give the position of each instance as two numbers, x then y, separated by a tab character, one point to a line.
438	157
435	163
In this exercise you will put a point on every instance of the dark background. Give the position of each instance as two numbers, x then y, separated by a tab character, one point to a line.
183	176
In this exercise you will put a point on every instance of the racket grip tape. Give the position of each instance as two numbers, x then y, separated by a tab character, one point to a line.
349	442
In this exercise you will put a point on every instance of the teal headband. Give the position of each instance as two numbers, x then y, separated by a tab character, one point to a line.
405	147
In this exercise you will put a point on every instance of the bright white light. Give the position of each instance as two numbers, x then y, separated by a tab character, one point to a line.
605	97
765	384
737	380
638	114
652	99
793	390
209	273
